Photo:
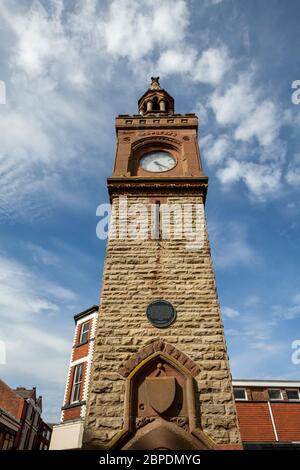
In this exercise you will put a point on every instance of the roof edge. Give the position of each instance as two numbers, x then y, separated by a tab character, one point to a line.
265	383
86	312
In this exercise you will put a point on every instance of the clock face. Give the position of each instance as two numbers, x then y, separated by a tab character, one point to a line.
158	161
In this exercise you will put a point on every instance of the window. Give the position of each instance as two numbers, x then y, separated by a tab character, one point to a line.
156	221
75	395
240	394
84	332
155	105
26	439
292	394
274	394
36	419
8	441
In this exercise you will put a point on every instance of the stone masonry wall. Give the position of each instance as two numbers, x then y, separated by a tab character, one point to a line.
137	272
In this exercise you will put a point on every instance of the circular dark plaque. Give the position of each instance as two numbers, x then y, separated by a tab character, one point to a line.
161	313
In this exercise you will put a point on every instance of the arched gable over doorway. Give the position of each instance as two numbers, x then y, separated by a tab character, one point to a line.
159	407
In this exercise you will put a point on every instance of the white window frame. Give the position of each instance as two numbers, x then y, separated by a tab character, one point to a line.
240	399
293	390
77	383
275	399
82	332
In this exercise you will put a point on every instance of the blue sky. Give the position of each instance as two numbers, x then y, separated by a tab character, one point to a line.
69	69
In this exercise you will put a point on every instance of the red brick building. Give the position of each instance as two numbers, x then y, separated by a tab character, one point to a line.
268	411
69	433
11	410
21	424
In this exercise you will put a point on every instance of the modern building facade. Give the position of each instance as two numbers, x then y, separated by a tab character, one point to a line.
21	424
269	413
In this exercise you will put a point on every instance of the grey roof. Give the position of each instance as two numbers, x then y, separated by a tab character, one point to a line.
25	392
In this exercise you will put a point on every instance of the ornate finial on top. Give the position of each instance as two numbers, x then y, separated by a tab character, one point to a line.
155	83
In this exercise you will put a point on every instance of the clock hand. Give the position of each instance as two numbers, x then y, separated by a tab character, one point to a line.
160	164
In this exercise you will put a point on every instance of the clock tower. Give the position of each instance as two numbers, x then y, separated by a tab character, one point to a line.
160	377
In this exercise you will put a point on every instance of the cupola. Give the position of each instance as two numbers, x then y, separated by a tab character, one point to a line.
156	100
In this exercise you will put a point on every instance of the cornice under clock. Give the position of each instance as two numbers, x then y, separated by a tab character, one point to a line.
156	187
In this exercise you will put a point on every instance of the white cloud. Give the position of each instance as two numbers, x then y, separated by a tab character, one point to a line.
275	152
61	62
230	246
53	114
289	311
252	300
230	173
42	40
209	68
42	135
230	312
216	150
42	256
235	103
292	312
296	299
209	3
263	123
176	61
293	172
254	346
37	357
242	106
23	294
252	151
133	29
202	112
261	179
293	176
49	118
212	66
37	347
266	347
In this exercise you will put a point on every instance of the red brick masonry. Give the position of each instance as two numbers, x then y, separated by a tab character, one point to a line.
256	423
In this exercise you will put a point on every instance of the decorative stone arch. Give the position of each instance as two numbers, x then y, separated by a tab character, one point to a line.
159	346
151	143
164	137
159	409
164	435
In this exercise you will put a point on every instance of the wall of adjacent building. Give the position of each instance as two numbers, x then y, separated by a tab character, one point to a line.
68	434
